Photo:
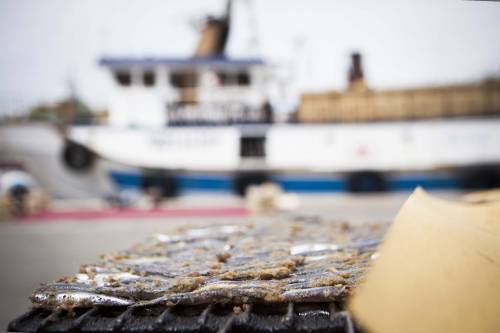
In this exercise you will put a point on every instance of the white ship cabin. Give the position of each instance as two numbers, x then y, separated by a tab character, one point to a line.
155	92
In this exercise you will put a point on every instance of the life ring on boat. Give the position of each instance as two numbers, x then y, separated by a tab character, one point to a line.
77	157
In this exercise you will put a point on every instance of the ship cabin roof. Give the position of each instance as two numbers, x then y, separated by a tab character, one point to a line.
216	62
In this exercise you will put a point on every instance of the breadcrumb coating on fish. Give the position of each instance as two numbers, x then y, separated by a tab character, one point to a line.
280	260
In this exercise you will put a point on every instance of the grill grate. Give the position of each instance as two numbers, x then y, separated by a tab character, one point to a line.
217	318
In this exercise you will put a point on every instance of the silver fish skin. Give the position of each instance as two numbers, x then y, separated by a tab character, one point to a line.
78	298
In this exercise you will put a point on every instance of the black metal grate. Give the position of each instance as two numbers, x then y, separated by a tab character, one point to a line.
292	317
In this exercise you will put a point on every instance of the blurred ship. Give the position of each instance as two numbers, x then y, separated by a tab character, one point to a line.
207	122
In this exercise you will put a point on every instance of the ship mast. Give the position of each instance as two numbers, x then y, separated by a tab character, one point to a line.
214	35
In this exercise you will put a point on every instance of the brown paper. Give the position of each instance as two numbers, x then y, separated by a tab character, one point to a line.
438	270
483	196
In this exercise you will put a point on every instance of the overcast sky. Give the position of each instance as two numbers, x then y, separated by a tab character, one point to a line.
47	43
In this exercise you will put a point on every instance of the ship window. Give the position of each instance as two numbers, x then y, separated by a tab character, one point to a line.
184	79
223	78
243	79
148	78
123	78
233	78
